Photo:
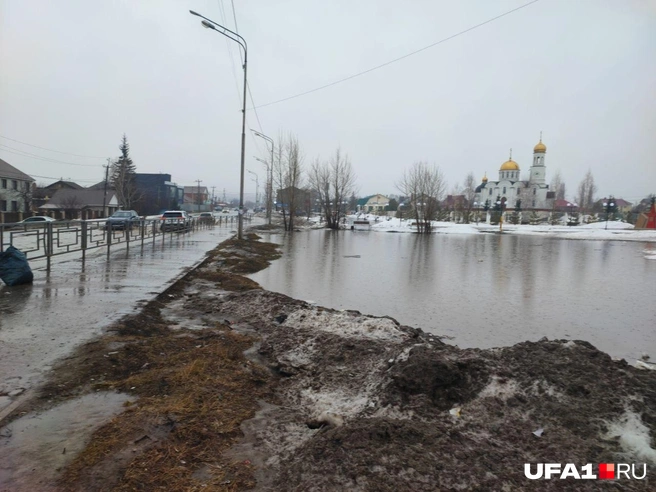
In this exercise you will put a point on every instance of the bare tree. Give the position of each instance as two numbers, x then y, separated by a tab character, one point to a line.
71	206
425	185
586	192
469	192
26	194
287	174
558	186
334	185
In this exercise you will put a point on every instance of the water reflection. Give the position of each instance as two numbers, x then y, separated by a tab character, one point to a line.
484	290
14	300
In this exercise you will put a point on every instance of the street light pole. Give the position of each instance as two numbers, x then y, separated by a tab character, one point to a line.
210	24
269	177
257	188
268	188
609	206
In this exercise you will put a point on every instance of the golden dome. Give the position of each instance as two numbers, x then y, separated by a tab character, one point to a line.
485	178
540	147
509	165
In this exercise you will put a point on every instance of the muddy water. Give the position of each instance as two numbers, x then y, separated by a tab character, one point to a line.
483	290
34	448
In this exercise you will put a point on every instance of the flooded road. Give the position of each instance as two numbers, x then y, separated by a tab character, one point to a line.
484	290
42	322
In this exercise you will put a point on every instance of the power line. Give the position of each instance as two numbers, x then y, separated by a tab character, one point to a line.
397	59
50	177
47	159
51	150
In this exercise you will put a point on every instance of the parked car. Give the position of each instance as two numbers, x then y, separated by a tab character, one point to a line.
175	220
206	218
122	219
36	221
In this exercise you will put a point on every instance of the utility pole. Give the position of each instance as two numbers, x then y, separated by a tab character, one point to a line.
198	194
105	193
224	196
213	202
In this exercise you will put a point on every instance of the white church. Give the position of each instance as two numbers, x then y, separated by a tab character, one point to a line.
534	193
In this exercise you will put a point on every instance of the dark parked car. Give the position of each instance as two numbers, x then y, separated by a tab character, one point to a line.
175	220
122	219
206	218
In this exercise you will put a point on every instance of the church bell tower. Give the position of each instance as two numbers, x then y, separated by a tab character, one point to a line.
538	169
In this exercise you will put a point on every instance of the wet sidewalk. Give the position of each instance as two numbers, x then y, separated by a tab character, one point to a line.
43	322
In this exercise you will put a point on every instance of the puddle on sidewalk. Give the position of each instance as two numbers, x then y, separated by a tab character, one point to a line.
35	448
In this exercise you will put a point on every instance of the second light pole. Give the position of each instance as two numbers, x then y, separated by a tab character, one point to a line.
269	175
210	24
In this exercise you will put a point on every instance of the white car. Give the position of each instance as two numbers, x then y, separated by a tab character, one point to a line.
37	220
175	220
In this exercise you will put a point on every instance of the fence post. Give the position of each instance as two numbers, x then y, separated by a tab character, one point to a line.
84	240
108	231
48	244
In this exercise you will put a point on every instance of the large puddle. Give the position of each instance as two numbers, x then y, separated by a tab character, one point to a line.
481	290
35	448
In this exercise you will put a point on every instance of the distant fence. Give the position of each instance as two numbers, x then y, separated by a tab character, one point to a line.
50	239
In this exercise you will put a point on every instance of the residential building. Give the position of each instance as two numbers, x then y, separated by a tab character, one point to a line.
566	206
196	199
305	200
42	195
85	203
374	204
621	205
16	190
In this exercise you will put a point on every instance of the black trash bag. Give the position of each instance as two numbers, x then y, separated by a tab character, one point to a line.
14	268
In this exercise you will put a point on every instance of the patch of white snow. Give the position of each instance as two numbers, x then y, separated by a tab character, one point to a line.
634	436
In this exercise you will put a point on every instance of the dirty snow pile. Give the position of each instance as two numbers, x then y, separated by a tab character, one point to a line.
346	324
366	404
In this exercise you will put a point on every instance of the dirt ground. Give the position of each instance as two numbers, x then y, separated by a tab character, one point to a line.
237	388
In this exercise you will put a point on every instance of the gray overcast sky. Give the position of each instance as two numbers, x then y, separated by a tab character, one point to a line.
75	75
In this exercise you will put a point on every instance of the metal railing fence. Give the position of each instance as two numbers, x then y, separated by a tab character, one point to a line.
50	239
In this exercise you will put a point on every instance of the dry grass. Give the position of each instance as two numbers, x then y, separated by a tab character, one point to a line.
192	389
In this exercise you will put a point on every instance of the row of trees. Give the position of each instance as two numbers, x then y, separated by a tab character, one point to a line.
330	183
426	186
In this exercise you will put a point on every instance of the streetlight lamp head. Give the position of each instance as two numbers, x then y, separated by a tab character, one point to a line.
207	24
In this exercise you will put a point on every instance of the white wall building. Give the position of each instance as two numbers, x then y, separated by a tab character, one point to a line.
533	193
15	188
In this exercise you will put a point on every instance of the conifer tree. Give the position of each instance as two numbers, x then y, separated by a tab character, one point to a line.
123	177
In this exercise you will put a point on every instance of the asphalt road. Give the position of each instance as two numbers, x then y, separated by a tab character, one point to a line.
43	322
